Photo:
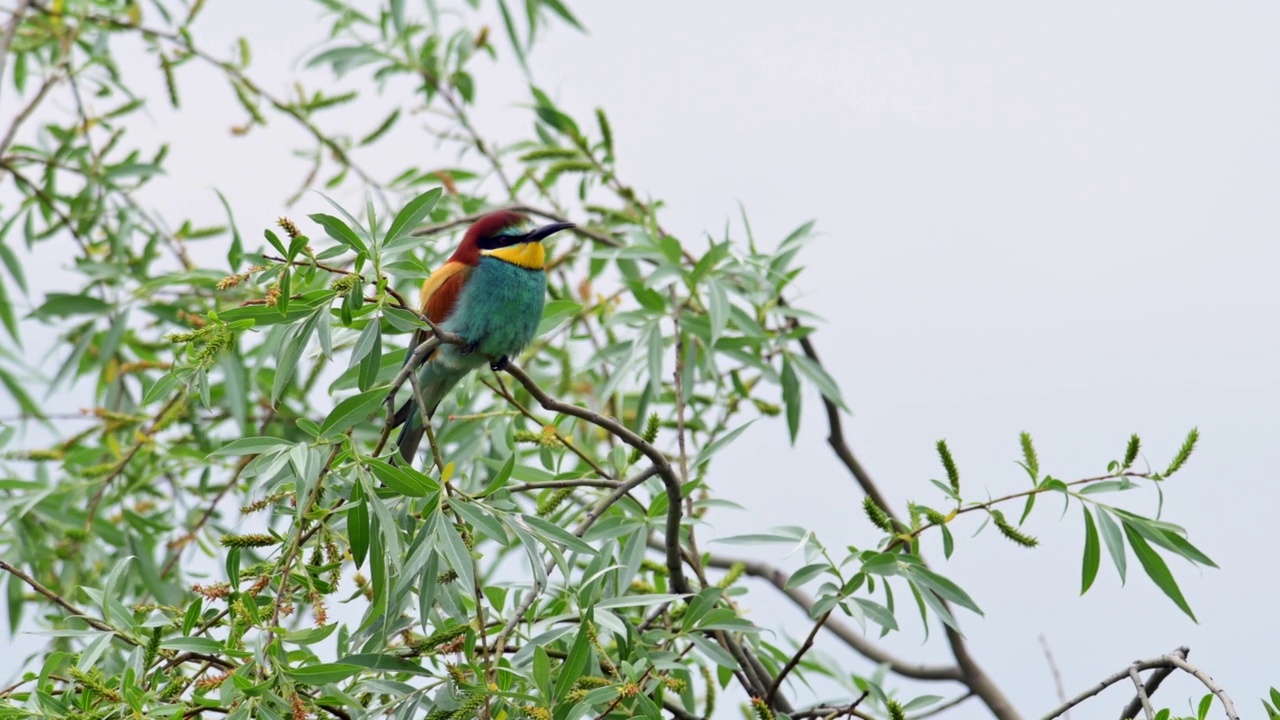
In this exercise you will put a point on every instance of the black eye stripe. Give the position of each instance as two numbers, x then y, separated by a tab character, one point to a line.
494	242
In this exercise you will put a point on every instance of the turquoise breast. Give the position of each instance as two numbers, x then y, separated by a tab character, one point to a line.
498	311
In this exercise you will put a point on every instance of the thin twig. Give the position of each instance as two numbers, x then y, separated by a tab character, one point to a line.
25	113
65	219
580	230
564	441
795	658
547	484
146	436
1142	693
847	634
300	537
7	39
939	709
622	489
1053	670
425	412
91	621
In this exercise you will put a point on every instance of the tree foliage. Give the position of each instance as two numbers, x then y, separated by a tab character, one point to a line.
224	531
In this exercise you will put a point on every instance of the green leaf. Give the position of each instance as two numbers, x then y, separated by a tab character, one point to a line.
192	615
510	25
456	552
384	663
1092	553
323	673
236	250
350	412
500	478
541	671
61	305
948	542
310	636
575	662
407	220
250	446
717	308
404	480
944	587
11	263
193	644
555	533
715	447
381	129
878	613
1114	541
7	315
480	518
358	524
141	171
555	312
805	574
1206	703
814	373
791	398
109	587
627	601
559	9
339	231
1156	569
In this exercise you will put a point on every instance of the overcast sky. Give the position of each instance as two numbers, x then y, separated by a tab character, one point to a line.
1052	219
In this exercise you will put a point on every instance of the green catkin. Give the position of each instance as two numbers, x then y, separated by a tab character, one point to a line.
878	517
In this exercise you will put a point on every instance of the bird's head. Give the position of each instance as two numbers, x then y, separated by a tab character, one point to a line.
509	236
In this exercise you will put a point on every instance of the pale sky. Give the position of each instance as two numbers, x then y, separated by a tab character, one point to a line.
1032	218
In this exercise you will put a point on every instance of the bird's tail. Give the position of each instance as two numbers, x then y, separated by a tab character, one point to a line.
436	380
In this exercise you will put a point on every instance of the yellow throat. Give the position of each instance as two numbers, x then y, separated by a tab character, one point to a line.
529	255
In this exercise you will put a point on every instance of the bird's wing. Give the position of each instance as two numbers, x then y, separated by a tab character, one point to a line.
440	291
439	294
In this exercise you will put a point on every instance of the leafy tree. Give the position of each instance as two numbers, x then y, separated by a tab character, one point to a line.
224	530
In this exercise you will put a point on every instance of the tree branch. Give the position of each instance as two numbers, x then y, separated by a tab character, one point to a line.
974	676
7	39
675	563
1152	684
1175	659
848	635
1142	693
1208	682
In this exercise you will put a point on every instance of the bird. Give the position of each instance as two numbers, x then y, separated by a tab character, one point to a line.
490	293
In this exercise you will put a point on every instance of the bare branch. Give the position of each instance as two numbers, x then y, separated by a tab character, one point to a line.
848	635
1142	693
1053	669
1175	659
675	508
1152	684
1208	682
7	39
974	676
25	113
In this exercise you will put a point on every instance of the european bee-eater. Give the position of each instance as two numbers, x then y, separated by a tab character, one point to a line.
490	292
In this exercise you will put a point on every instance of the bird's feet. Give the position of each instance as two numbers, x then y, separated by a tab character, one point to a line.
499	363
468	348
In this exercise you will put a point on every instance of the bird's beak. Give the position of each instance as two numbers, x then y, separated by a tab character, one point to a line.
546	231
